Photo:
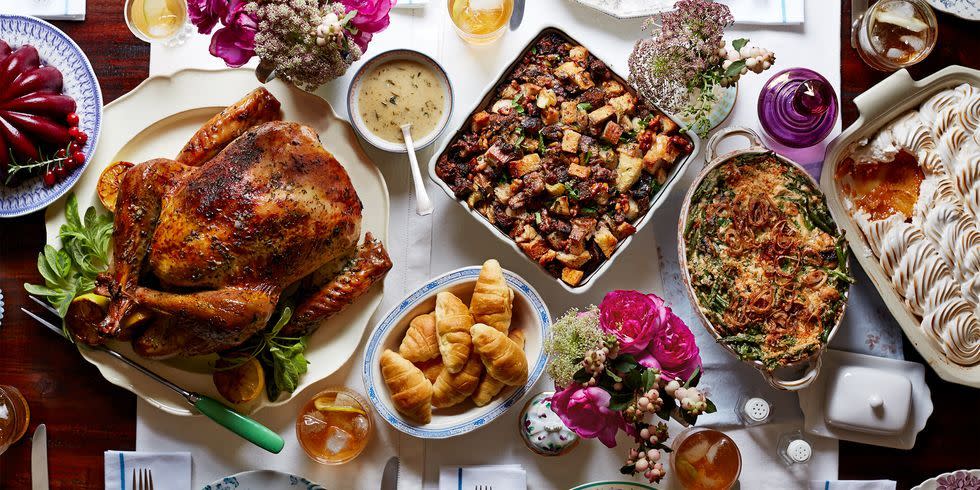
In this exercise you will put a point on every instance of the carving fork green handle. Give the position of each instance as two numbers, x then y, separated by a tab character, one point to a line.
246	428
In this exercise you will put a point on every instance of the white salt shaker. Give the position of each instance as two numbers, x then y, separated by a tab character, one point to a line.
793	449
753	410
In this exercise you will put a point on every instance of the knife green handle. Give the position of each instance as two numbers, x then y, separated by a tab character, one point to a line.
248	429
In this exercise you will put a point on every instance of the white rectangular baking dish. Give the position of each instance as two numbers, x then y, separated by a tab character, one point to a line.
672	178
880	105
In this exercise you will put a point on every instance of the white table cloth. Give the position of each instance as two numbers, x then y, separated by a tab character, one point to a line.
421	250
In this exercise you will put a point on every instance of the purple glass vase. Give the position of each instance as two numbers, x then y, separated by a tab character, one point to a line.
797	107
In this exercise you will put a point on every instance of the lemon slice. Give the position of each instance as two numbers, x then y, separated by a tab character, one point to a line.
84	315
323	405
242	383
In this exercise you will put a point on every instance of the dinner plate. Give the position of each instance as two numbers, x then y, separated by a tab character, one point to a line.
959	480
262	480
967	9
155	120
614	485
58	50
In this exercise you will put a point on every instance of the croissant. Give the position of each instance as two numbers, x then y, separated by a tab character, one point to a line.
489	386
453	322
452	388
411	392
492	300
431	368
420	342
503	358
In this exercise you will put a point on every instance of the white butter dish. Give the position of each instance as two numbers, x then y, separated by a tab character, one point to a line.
839	403
868	400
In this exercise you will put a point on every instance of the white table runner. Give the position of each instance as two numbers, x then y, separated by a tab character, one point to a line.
421	250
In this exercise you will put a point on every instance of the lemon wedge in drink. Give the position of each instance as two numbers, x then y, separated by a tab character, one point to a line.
325	405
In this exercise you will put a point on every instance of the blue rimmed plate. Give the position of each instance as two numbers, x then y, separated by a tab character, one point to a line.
57	50
530	314
262	480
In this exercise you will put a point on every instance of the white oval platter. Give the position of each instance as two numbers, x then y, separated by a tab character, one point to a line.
155	120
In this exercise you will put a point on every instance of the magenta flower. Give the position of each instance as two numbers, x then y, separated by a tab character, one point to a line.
586	412
633	317
372	17
205	14
235	42
673	350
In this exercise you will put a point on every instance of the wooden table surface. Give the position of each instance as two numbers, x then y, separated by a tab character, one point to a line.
86	415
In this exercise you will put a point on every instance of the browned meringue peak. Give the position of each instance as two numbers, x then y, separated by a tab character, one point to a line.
917	285
961	337
875	230
895	243
944	290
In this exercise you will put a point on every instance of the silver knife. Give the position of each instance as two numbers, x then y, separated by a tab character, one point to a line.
389	479
518	15
39	459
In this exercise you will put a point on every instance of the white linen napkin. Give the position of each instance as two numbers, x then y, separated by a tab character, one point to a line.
766	11
852	485
47	9
171	471
410	4
498	477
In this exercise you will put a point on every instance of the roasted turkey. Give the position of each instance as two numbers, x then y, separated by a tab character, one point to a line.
253	207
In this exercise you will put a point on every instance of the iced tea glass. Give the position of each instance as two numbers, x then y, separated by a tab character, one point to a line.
705	459
480	21
895	34
334	426
14	416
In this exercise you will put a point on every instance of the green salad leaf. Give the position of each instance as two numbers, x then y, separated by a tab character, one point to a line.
84	254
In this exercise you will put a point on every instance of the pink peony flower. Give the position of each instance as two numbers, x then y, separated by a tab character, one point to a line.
673	350
235	42
205	14
586	412
372	17
633	317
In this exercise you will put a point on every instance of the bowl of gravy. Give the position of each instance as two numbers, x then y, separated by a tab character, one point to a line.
397	87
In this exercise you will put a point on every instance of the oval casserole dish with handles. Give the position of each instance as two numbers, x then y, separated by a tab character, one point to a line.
878	106
811	364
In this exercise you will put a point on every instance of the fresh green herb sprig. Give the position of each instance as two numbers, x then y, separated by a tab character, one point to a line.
71	270
282	357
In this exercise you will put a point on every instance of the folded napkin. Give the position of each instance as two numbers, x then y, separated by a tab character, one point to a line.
498	477
47	9
410	4
766	11
852	485
171	471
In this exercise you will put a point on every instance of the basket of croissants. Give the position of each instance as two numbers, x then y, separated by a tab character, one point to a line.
457	352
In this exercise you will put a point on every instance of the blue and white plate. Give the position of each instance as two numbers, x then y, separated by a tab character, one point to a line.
530	314
967	9
263	480
57	50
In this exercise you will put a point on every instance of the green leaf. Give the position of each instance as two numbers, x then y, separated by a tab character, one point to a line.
694	375
735	68
711	406
647	378
614	376
284	317
620	401
584	107
738	44
581	376
71	212
40	290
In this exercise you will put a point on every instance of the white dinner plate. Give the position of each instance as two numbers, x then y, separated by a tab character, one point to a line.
962	479
155	120
262	480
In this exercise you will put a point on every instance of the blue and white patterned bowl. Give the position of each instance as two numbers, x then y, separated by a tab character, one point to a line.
530	314
57	50
967	9
263	480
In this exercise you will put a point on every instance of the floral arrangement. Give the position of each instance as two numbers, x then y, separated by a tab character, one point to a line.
305	42
618	365
687	59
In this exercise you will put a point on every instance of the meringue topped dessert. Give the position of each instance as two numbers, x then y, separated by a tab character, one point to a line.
913	189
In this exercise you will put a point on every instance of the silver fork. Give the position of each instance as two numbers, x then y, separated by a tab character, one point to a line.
145	481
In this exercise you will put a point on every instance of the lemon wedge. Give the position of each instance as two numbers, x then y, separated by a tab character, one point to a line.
323	405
